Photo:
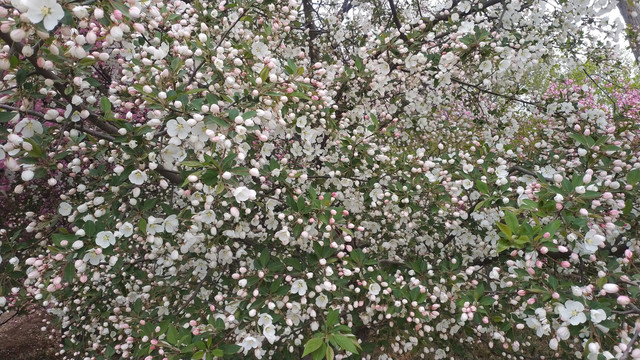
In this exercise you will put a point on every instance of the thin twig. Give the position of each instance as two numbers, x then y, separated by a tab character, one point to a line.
626	353
601	89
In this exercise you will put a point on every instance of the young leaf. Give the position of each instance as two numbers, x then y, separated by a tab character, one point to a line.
312	345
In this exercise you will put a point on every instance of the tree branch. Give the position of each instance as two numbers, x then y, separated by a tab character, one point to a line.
308	16
396	21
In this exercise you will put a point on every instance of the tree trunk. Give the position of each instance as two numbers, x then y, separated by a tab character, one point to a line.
627	8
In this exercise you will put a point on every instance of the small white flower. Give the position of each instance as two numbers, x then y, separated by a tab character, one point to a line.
374	289
178	128
592	241
29	127
126	229
116	33
27	175
104	239
299	287
598	315
47	11
283	235
64	209
80	12
171	224
265	319
219	64
243	193
249	343
563	333
137	177
93	257
208	216
573	312
269	333
260	50
322	300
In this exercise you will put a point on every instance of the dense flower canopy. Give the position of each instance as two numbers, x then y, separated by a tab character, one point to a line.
332	179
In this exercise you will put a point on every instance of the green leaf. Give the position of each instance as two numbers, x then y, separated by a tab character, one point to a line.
264	257
320	353
217	352
503	245
482	187
330	354
105	105
332	318
348	343
505	229
633	177
172	335
6	116
511	220
579	138
312	345
69	272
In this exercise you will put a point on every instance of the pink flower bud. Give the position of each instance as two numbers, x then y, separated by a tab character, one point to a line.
544	250
611	288
565	264
623	300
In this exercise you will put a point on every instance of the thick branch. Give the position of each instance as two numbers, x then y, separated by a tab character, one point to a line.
308	16
396	20
627	8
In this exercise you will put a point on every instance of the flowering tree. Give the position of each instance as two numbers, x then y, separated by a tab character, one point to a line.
192	179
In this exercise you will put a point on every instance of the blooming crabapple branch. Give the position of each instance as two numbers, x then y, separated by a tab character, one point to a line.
527	172
224	36
60	87
396	21
508	97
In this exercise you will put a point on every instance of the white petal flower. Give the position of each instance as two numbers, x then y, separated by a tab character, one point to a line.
29	127
374	289
93	257
47	11
299	287
265	319
592	241
322	300
171	224
242	194
269	333
249	343
137	177
208	216
126	229
64	209
598	315
104	239
178	128
283	235
573	312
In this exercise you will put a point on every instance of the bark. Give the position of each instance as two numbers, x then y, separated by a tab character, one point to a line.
313	32
627	8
